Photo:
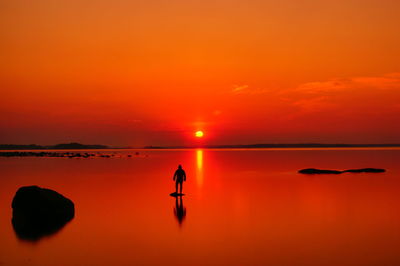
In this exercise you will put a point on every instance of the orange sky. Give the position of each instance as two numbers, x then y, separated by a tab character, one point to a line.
153	72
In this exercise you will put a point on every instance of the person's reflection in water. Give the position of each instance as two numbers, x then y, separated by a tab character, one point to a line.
179	210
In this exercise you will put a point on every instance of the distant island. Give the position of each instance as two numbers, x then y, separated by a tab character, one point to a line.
79	146
64	146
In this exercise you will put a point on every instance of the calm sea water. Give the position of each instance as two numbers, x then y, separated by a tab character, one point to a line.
242	207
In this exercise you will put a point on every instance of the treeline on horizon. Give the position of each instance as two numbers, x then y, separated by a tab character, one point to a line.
77	146
63	146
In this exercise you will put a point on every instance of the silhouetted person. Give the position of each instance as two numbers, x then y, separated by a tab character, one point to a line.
179	210
179	177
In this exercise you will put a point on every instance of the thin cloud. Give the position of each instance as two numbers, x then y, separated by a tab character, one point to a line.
239	89
313	104
362	94
384	82
246	89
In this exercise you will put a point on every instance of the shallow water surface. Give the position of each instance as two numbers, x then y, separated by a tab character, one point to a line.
242	207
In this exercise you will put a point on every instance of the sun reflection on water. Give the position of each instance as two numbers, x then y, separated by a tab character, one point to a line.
199	170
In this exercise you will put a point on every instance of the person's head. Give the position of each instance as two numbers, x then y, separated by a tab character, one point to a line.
179	166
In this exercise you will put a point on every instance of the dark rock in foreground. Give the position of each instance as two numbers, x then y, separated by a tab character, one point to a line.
38	212
311	171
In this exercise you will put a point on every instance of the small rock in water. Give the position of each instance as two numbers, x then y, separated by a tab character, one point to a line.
365	170
311	171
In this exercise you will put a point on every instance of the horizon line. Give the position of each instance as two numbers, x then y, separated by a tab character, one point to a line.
75	145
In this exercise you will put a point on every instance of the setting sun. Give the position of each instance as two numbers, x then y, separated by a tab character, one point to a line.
199	134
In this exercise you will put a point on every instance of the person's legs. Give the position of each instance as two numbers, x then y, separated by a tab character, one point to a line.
181	183
176	187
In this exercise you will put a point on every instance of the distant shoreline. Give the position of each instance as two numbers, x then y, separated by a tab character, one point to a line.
265	146
78	146
66	146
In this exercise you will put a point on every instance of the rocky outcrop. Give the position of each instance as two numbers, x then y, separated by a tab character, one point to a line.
311	171
365	170
38	212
